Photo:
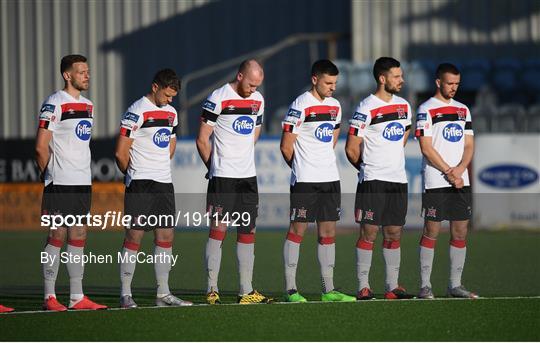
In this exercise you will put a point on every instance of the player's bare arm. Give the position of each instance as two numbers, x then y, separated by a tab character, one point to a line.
256	134
204	147
336	136
353	150
43	138
172	145
406	136
123	144
468	153
287	147
436	160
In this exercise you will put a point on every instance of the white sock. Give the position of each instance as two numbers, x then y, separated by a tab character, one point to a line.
75	249
127	267
392	260
50	268
458	251
213	258
291	253
245	253
326	252
364	253
162	267
427	251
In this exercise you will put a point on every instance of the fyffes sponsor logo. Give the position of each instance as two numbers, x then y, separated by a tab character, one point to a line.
452	132
83	130
161	138
324	132
393	131
243	125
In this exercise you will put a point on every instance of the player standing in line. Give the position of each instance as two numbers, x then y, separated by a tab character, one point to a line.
230	126
144	149
444	128
63	158
375	145
310	132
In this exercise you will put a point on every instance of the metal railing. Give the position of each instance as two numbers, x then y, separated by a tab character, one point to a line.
261	55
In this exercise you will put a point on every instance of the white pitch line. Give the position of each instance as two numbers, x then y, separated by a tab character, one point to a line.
283	303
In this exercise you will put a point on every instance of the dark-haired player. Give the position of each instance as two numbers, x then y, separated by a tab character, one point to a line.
63	158
378	133
310	132
144	149
444	128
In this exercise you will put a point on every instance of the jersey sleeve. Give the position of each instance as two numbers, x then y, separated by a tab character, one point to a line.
338	118
294	118
211	109
49	115
360	121
408	122
423	123
468	123
130	123
176	125
260	114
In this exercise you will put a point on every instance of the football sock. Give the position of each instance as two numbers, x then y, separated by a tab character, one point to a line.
162	267
50	268
458	250
291	253
213	258
364	252
127	266
245	253
326	252
75	249
427	251
392	260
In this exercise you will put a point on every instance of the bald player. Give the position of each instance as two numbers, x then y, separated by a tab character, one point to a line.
232	115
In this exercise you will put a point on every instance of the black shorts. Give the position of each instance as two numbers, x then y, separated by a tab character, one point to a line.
66	200
228	199
315	201
381	203
150	205
447	203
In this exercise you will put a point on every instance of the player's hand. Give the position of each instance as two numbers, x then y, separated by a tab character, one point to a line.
450	176
457	172
459	183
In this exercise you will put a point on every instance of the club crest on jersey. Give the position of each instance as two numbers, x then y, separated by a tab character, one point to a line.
452	132
401	113
333	115
83	130
161	138
324	132
431	212
461	114
89	110
243	125
254	108
393	131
